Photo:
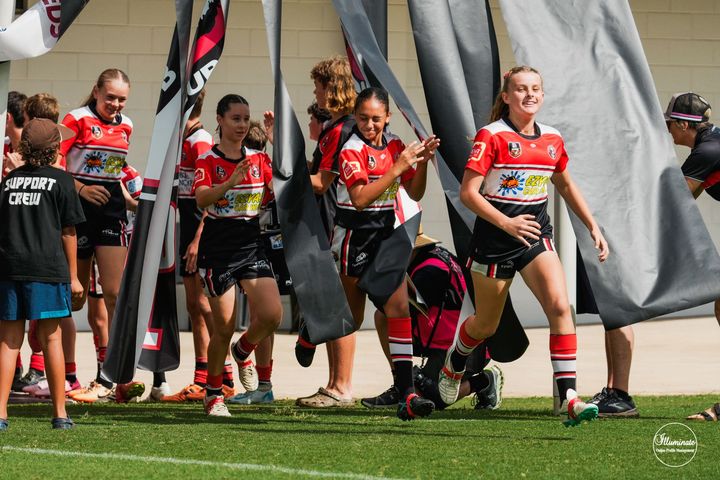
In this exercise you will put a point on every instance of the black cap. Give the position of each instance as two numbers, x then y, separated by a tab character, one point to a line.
688	106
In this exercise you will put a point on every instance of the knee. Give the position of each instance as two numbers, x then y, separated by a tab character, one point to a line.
196	308
557	308
225	331
272	316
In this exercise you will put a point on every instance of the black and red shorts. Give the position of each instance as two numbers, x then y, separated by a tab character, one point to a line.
217	280
353	250
100	231
507	268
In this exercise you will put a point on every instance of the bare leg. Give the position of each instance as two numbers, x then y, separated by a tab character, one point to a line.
544	276
223	327
381	328
264	351
609	359
11	338
200	314
621	342
50	337
111	263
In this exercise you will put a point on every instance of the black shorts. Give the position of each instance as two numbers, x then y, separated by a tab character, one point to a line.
353	250
273	244
100	231
507	268
189	223
217	280
94	288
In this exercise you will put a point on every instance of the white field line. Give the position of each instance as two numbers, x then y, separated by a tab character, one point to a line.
204	463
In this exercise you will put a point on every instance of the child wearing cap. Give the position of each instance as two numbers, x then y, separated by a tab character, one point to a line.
38	272
688	121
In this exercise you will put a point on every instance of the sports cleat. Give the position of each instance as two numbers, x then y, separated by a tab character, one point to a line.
3	424
616	405
304	352
191	393
62	424
129	392
248	375
414	406
215	406
45	391
31	389
577	410
16	381
253	397
490	397
95	392
388	399
157	394
32	377
449	382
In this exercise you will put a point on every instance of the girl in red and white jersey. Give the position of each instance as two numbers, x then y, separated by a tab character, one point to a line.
232	182
95	158
373	165
506	185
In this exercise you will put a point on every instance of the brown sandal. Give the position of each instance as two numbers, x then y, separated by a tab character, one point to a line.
707	416
324	399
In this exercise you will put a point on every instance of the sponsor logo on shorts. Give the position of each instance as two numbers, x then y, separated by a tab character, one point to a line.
96	131
360	259
262	265
514	149
110	232
83	241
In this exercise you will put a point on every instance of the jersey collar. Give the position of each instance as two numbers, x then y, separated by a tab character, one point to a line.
220	154
506	119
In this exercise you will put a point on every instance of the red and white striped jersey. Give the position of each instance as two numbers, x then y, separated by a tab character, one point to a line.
133	183
196	143
362	162
98	150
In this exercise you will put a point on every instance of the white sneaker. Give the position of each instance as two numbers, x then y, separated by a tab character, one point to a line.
215	406
449	381
248	375
577	410
158	393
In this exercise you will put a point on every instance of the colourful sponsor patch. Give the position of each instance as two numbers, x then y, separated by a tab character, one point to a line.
477	151
350	168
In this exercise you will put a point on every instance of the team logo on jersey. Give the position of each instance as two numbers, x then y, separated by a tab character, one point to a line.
514	149
371	163
255	171
220	172
477	150
350	167
512	183
96	131
552	152
124	136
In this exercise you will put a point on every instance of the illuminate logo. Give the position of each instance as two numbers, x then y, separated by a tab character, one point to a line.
675	445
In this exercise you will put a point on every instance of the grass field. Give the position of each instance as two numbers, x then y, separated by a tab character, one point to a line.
521	440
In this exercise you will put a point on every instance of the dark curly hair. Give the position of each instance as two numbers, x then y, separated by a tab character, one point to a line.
37	157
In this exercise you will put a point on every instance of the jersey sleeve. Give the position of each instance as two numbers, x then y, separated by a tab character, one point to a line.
483	153
700	164
71	122
352	169
199	147
202	174
132	181
562	159
328	147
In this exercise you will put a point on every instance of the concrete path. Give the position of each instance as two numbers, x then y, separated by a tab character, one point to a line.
671	357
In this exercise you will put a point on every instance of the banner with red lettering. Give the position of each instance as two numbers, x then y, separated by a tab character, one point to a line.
37	30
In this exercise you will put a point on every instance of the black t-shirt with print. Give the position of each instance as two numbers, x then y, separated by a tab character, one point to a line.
35	204
703	163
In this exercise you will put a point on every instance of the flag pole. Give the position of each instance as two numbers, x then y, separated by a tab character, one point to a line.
7	9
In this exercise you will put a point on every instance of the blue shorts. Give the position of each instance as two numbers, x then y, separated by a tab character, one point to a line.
34	300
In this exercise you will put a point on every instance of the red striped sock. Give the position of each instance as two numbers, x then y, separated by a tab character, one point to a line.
71	372
563	354
228	374
200	377
464	345
37	362
401	352
18	362
243	348
101	354
264	372
214	385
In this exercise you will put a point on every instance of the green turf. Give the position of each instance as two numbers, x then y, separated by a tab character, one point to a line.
521	440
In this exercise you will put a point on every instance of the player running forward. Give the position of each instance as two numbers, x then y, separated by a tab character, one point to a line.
373	167
231	182
95	158
505	185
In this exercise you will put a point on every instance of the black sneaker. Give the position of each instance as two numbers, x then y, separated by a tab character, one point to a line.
600	396
414	406
388	399
30	378
490	397
616	405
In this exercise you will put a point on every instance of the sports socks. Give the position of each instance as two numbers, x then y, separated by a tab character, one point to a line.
100	378
401	353
70	372
563	352
479	382
228	374
243	348
201	366
464	345
37	362
18	365
214	385
158	379
264	374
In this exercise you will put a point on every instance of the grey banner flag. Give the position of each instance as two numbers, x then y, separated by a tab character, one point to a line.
307	249
600	94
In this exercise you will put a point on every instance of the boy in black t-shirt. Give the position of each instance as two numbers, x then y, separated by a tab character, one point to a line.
39	209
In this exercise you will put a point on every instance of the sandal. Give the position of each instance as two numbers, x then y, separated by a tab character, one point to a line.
62	423
706	415
3	424
324	399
